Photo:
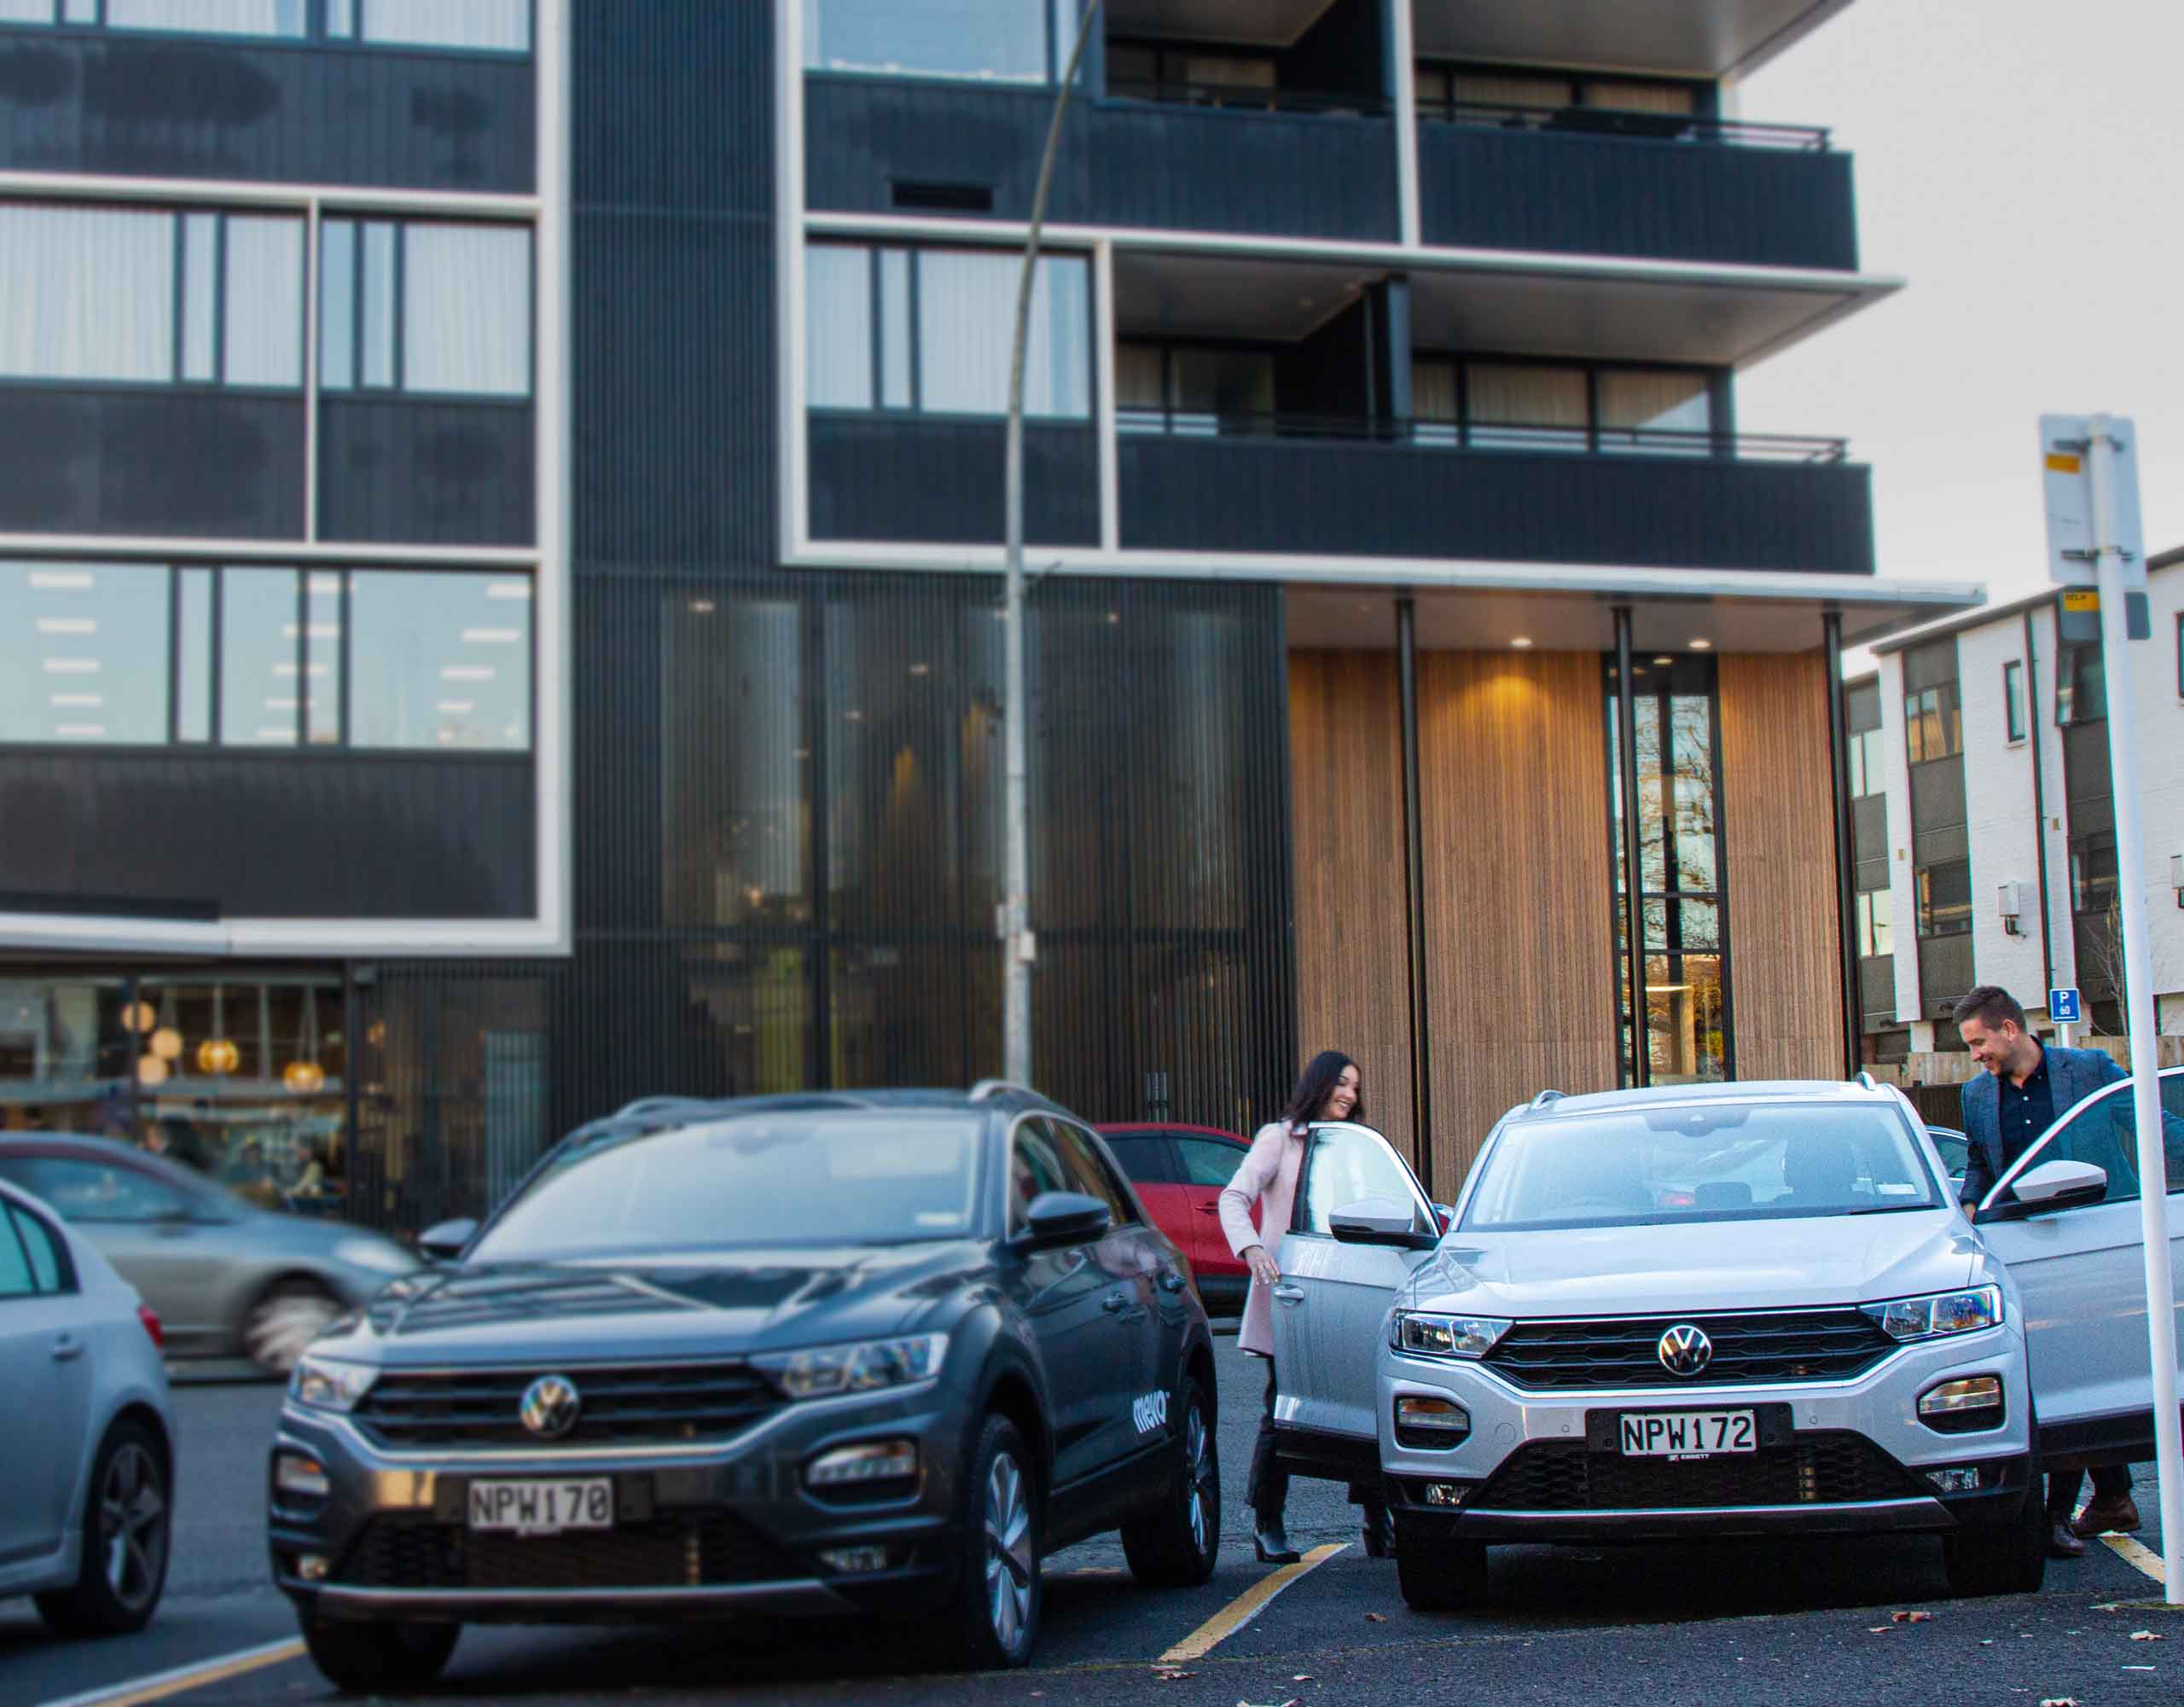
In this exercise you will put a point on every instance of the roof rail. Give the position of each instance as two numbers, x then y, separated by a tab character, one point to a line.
986	1087
657	1105
1544	1098
1862	1077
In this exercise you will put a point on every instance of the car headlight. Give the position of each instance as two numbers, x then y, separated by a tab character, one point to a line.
381	1256
827	1370
1427	1334
326	1384
1937	1314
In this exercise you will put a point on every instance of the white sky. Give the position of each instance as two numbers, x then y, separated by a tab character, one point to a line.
2020	165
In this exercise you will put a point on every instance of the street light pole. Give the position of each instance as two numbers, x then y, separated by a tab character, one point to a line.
1018	948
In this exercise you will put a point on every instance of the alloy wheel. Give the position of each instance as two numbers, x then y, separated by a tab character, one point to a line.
1011	1568
1202	1471
133	1526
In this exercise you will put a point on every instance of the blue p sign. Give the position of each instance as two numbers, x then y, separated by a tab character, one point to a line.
2063	1007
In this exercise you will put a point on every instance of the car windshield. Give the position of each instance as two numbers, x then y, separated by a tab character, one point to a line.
763	1179
1664	1165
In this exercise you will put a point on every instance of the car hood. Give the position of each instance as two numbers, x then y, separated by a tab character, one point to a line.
699	1304
1722	1265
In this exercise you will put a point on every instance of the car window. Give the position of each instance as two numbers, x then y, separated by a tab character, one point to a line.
1035	1168
49	1257
1144	1157
2104	1132
1208	1161
1344	1164
15	1280
1090	1172
81	1190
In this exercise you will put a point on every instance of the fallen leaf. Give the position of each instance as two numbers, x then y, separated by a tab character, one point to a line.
1169	1674
1302	1677
1376	1617
2060	1701
1986	1641
2147	1636
1876	1630
1910	1617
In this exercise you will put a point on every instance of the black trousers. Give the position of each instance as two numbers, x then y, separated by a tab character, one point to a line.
2110	1482
1268	1491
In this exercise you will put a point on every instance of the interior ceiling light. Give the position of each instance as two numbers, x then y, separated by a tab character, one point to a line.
1522	643
61	580
1701	643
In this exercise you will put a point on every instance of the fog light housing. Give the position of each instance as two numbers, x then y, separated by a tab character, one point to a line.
1959	1479
1429	1424
1446	1494
294	1473
855	1561
1961	1406
313	1566
857	1467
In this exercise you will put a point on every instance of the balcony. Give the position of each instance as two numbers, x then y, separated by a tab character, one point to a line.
929	479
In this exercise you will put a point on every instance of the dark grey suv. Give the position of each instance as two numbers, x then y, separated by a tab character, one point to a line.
815	1353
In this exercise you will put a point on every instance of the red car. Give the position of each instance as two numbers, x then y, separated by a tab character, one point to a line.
1179	1172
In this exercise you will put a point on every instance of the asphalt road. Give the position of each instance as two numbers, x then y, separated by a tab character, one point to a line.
1801	1623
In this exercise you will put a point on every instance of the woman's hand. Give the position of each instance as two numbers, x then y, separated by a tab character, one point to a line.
1262	1266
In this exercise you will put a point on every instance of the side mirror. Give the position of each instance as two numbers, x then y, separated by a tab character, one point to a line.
1380	1221
444	1242
1064	1218
1446	1215
2060	1184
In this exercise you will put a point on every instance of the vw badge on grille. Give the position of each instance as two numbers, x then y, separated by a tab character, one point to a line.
1685	1351
551	1405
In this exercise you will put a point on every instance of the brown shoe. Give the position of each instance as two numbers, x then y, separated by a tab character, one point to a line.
2106	1517
2061	1543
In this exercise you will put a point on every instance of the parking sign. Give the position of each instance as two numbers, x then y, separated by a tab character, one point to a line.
2063	1007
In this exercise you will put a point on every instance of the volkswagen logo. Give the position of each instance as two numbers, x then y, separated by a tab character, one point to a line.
551	1404
1686	1350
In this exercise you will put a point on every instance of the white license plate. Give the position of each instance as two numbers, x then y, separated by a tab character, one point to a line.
1688	1434
542	1507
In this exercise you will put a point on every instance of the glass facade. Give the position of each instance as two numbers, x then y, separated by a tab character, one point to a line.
997	41
489	25
422	306
1563	406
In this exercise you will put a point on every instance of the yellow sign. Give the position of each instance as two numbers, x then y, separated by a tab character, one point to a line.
2080	599
2061	463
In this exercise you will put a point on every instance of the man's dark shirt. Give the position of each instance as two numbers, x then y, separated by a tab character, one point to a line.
2026	1111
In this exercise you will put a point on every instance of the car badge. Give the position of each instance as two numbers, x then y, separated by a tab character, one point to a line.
551	1405
1686	1350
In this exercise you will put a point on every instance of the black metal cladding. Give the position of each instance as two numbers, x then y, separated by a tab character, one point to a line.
920	478
274	835
1523	188
1623	1351
265	113
1347	499
1122	162
438	471
112	459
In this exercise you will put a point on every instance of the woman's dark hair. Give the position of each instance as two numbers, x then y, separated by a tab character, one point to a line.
1317	1084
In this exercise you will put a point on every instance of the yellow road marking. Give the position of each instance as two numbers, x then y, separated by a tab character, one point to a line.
1246	1607
2137	1555
183	1679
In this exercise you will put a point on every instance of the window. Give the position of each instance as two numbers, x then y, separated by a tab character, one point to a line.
1944	898
439	660
1198	75
1656	410
1144	1157
2080	687
945	318
83	653
1564	406
1035	1168
2013	700
1513	406
495	26
424	307
1207	1161
2106	1134
15	1278
2092	871
1868	773
1876	922
1001	41
125	296
98	1191
1933	726
209	17
51	1270
1343	1167
1193	388
1496	95
502	26
2180	654
1088	1172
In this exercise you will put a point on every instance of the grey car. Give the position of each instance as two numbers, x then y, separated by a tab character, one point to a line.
227	1278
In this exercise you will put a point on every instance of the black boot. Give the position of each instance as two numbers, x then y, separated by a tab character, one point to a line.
1271	1541
1380	1531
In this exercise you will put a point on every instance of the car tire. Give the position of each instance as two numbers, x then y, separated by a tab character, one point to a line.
992	1618
360	1658
2010	1559
1177	1545
128	1523
1439	1575
284	1319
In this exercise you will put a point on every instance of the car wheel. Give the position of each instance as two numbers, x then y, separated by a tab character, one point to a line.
1439	1575
370	1659
1177	1545
127	1527
2010	1559
285	1320
993	1619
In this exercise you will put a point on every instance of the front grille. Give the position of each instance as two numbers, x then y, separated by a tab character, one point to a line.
621	1406
1818	1469
416	1550
1749	1349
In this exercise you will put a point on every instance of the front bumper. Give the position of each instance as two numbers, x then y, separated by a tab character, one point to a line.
703	1531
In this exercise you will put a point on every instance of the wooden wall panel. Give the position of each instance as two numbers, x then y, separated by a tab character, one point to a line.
1351	915
1778	814
1520	945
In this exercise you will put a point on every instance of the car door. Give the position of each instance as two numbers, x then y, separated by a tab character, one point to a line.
1149	1159
1208	1165
1149	1340
2080	1271
45	1384
1330	1305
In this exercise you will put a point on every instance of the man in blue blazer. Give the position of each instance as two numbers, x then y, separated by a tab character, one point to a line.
2024	1089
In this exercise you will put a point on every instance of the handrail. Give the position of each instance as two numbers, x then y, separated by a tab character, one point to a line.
1447	433
1251	97
1615	121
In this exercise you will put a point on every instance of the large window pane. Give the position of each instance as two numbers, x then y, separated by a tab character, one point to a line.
26	11
201	296
337	305
1002	39
1216	390
466	320
1513	406
838	326
1943	894
322	694
260	692
898	380
83	653
211	17
377	319
194	655
439	660
967	315
503	25
1655	410
263	317
86	293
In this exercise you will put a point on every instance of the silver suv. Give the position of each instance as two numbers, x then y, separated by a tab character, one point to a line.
1692	1312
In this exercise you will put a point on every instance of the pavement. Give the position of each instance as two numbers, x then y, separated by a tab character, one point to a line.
1809	1623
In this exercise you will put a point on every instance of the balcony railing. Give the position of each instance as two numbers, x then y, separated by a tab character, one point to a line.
1609	121
1483	435
1242	97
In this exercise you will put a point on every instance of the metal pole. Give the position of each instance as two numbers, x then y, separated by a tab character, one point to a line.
2130	882
1633	861
2038	808
1846	893
1018	948
1421	1033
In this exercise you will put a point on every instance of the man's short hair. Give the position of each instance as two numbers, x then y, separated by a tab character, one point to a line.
1991	1005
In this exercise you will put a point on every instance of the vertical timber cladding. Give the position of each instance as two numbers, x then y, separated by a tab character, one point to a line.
1521	973
1778	819
1345	808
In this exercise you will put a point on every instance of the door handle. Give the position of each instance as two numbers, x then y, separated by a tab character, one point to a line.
68	1349
1114	1302
1290	1295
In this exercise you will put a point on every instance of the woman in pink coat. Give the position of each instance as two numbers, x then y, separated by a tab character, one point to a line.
1329	1089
